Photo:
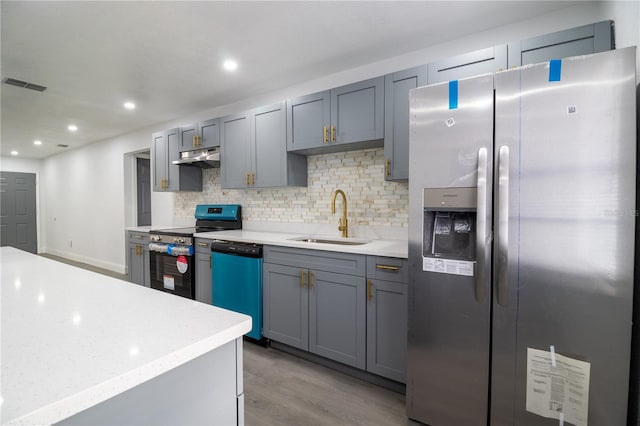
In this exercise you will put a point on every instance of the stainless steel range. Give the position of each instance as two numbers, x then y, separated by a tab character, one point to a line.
171	250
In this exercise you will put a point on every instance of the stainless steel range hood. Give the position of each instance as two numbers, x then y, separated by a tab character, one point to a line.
205	158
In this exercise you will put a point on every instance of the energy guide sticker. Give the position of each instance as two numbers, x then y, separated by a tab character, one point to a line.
558	390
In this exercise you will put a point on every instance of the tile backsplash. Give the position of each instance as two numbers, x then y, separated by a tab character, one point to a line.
372	201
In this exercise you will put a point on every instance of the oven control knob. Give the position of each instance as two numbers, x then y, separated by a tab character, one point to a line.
155	238
179	240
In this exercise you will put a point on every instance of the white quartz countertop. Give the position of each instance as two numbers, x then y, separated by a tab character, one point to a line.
73	338
147	229
386	248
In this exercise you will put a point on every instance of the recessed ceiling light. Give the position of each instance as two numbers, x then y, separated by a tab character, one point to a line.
72	127
129	105
230	65
37	142
14	152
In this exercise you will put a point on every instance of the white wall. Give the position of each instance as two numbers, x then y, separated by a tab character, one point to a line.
84	189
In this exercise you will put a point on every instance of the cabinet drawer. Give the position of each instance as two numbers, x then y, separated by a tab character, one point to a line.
202	245
138	237
341	263
388	269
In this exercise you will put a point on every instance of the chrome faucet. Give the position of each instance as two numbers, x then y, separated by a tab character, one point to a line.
342	224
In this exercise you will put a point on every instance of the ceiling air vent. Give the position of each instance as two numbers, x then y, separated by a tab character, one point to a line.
61	145
24	84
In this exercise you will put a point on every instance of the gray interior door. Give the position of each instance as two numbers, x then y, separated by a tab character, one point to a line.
18	211
143	182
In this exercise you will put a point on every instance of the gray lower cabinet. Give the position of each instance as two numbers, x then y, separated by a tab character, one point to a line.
203	270
482	61
310	306
254	151
396	116
344	118
584	40
138	271
168	177
387	299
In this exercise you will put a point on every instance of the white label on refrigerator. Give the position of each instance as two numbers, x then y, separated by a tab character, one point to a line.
447	266
558	392
168	282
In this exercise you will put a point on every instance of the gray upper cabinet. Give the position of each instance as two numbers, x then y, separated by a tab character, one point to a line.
345	118
235	151
205	134
396	116
479	62
584	40
254	152
166	175
308	121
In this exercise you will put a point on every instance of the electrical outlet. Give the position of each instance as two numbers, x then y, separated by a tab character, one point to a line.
70	243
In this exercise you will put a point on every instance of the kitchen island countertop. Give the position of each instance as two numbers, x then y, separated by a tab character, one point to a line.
72	338
373	247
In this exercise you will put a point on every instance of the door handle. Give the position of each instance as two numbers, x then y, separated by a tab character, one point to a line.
503	224
324	135
333	133
246	178
310	280
201	244
388	268
386	167
302	278
369	290
482	221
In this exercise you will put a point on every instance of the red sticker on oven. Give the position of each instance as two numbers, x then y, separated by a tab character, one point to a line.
182	264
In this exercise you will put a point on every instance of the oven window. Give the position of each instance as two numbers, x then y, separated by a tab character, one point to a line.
166	274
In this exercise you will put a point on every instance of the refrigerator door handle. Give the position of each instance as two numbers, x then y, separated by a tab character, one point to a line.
482	237
503	224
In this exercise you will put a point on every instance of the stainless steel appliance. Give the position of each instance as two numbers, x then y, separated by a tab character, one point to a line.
205	158
521	245
171	250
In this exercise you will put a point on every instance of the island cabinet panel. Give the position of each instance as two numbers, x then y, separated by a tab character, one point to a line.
138	258
341	119
583	40
203	270
308	307
396	115
202	391
387	304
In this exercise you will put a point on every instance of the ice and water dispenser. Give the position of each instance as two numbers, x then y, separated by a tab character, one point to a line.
449	240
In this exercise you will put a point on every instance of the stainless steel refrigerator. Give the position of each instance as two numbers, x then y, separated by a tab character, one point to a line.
521	245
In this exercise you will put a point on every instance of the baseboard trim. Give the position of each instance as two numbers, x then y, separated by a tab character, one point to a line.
392	385
120	269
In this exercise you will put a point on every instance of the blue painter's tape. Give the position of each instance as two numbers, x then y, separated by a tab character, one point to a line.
555	69
453	94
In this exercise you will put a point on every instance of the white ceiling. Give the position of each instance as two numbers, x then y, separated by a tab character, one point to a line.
167	56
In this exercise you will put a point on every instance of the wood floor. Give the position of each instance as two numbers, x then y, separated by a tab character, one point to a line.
281	389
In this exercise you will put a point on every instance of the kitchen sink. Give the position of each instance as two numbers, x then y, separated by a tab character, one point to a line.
338	241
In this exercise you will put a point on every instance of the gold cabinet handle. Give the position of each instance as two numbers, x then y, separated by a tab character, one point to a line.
194	140
253	179
333	133
246	178
388	268
302	278
386	167
137	246
198	140
138	236
310	280
324	134
369	290
201	244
